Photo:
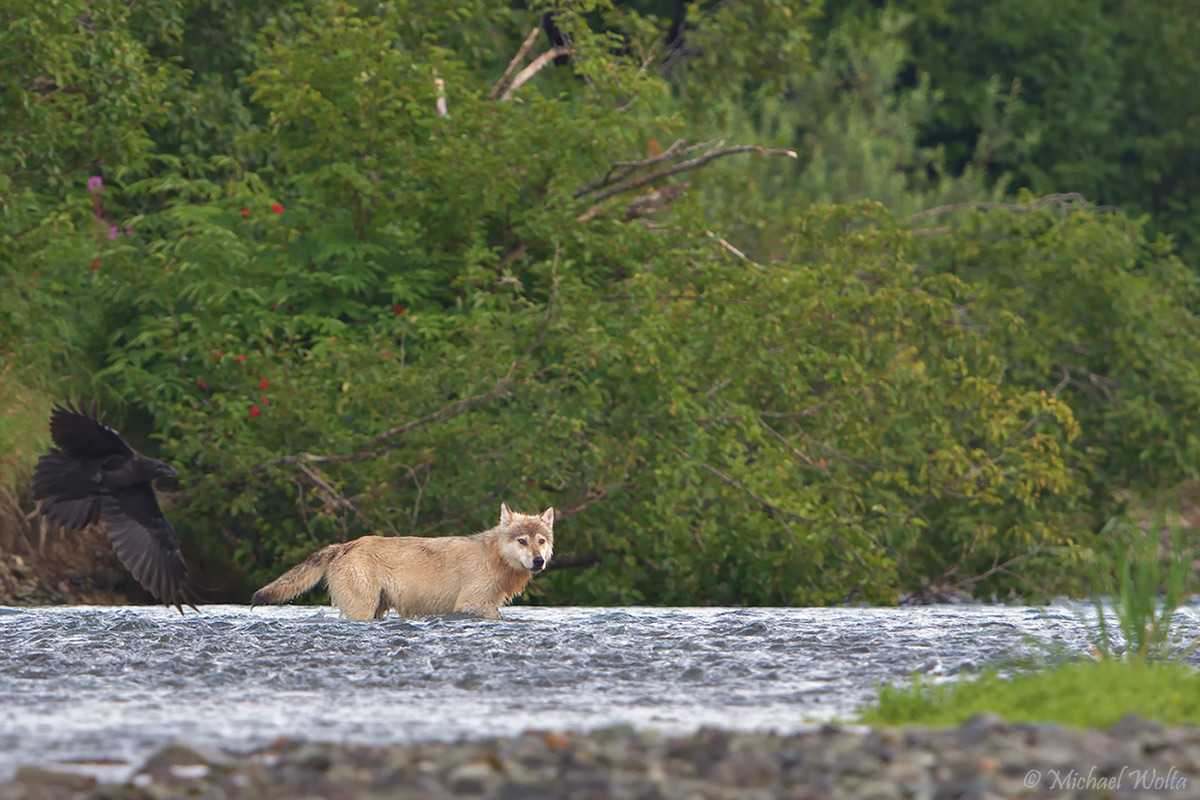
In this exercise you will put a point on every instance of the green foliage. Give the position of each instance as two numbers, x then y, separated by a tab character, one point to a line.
856	137
762	47
1107	101
835	421
1116	338
80	87
1081	694
344	312
76	92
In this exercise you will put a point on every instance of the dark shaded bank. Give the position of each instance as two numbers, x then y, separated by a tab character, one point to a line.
983	758
43	565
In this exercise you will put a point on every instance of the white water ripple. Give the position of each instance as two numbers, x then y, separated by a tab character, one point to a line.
100	688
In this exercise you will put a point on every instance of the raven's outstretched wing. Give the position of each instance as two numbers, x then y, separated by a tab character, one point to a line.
82	435
71	479
146	544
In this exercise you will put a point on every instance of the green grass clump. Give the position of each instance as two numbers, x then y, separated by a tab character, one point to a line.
1080	694
1145	589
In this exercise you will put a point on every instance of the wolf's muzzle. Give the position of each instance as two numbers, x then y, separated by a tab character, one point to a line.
539	563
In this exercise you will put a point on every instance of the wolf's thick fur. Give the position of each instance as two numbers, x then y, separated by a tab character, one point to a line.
420	576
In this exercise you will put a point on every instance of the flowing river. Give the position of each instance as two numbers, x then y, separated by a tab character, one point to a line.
97	689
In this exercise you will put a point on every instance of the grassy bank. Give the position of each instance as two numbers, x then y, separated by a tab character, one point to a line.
1081	694
23	435
1140	665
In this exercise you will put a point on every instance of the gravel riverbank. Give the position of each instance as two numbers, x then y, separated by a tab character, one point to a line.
983	758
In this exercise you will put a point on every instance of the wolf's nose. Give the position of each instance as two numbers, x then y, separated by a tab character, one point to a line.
538	562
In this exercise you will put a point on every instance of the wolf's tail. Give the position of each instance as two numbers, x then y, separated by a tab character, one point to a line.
299	579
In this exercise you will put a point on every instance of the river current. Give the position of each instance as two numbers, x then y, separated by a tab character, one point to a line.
98	689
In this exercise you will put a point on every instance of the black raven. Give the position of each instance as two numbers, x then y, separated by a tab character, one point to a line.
93	476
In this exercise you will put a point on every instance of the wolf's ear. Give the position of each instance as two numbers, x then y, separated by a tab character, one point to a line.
505	514
547	516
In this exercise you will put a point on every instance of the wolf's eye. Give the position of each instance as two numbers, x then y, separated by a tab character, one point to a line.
522	542
541	541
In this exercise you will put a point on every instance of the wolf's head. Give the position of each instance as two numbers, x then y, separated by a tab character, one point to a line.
526	540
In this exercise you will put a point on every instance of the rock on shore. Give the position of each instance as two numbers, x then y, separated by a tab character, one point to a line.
982	758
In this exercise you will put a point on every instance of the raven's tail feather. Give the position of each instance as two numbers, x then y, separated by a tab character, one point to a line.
60	479
56	473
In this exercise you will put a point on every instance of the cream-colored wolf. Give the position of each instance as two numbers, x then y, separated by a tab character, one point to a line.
419	576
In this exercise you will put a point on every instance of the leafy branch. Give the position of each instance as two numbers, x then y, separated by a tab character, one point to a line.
384	443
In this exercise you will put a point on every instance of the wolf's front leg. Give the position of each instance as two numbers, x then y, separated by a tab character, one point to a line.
487	612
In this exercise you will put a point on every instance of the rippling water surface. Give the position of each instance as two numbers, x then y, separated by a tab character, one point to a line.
97	685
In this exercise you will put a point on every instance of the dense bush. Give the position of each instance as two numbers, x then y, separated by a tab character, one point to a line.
343	311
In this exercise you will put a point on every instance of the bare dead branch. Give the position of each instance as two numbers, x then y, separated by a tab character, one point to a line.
648	203
767	504
1098	386
382	444
440	105
535	66
594	495
932	588
642	205
831	451
1066	380
807	412
454	409
522	51
998	567
626	167
511	256
677	147
733	250
1063	200
684	166
1033	205
329	496
796	451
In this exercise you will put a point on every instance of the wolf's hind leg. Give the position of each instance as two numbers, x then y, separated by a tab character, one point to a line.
384	605
354	599
357	607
